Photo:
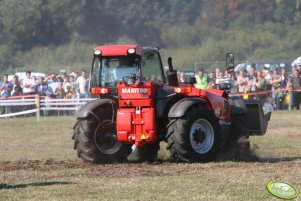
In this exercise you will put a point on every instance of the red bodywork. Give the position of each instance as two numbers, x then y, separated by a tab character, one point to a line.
215	100
136	114
136	121
118	50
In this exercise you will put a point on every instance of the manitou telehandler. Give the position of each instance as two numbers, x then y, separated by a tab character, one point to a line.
140	105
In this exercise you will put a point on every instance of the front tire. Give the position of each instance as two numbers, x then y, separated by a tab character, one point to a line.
95	138
195	137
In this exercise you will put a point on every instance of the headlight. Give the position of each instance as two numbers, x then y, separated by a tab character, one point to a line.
97	52
131	51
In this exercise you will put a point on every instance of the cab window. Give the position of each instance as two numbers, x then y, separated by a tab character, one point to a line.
108	71
152	70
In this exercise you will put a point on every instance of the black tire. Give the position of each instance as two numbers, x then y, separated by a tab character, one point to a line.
95	138
187	142
238	145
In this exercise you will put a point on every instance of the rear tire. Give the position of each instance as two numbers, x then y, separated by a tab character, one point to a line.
95	138
195	137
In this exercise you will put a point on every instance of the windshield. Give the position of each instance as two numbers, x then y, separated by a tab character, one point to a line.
108	71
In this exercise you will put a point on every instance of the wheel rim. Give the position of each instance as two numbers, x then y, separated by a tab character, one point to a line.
105	138
201	136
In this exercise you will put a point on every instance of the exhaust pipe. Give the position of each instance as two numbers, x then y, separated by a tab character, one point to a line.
172	76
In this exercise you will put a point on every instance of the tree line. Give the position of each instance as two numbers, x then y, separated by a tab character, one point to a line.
44	33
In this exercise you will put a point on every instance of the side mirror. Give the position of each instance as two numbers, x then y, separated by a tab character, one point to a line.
172	76
230	62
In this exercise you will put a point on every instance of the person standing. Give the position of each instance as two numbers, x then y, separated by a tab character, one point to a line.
5	91
252	72
201	79
296	85
223	78
181	77
60	94
5	87
211	80
217	75
275	82
66	83
29	84
261	86
72	83
268	78
83	85
17	89
281	93
252	84
242	81
53	83
42	87
69	95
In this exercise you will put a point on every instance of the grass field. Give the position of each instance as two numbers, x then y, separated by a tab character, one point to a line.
37	162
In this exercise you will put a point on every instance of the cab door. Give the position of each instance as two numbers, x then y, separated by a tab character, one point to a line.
152	69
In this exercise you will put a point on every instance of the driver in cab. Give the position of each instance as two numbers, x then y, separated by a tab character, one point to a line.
124	69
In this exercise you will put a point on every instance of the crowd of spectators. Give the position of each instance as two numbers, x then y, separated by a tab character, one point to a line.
275	90
52	86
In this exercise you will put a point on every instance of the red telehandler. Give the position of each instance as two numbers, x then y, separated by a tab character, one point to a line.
140	105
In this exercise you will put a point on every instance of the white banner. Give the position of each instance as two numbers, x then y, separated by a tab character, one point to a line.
18	113
43	104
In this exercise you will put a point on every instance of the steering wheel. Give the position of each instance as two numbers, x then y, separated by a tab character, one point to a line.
131	79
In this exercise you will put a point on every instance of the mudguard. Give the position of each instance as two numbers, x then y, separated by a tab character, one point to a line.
182	106
87	109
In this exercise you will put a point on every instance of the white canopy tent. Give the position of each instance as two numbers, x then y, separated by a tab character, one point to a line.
297	61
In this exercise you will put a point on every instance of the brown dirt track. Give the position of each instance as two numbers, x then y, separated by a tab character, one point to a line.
125	170
129	170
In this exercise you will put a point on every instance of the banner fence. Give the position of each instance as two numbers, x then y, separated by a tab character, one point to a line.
39	105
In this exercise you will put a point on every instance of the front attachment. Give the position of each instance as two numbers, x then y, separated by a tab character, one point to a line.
257	118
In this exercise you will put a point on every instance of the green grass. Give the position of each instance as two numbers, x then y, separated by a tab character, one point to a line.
37	162
283	138
25	138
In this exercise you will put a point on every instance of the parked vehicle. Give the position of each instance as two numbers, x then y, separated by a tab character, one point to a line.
271	65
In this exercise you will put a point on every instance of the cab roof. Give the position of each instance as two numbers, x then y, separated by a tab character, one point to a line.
118	50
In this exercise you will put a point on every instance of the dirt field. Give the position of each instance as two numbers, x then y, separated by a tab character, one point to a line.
37	162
